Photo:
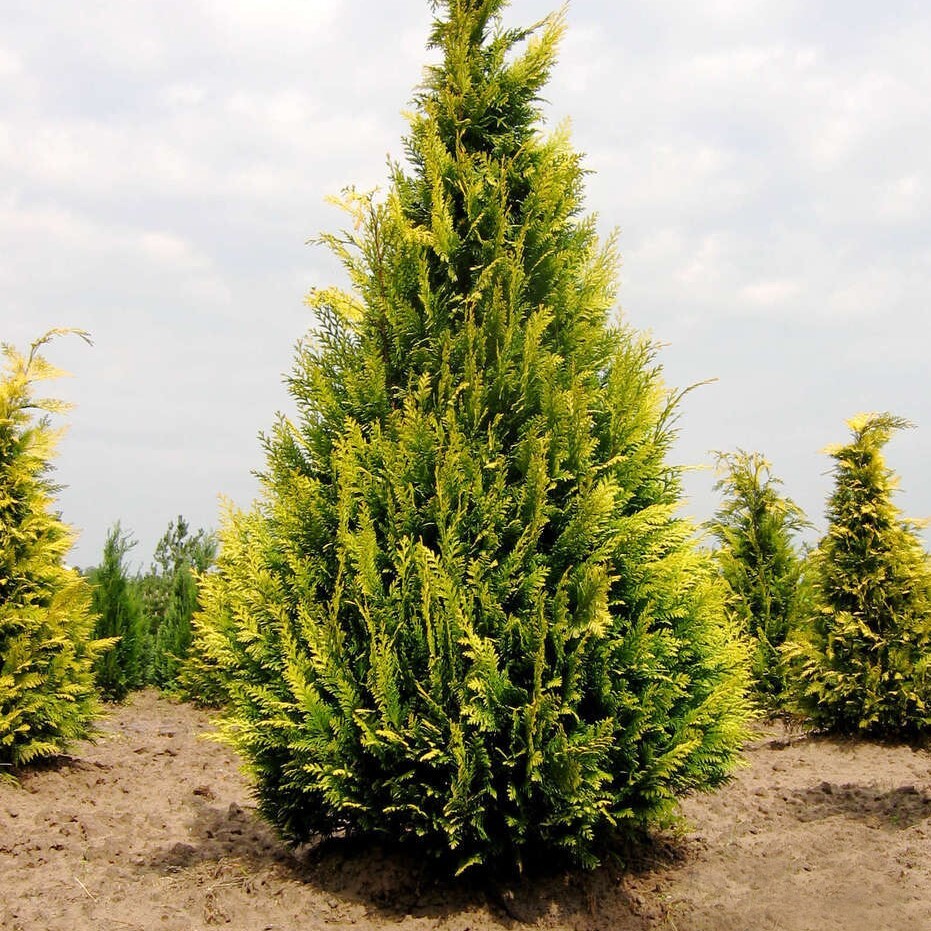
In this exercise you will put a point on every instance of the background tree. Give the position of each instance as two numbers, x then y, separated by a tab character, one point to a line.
204	677
463	613
862	664
169	596
119	616
756	528
47	694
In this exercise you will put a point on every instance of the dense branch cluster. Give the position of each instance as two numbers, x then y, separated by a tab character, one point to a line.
863	663
464	610
47	650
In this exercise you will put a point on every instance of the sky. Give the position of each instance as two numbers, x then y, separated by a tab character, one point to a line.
163	165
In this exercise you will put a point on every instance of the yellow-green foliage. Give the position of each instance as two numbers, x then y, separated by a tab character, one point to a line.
46	649
464	613
755	528
862	664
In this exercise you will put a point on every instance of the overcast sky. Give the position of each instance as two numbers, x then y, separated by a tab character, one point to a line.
163	163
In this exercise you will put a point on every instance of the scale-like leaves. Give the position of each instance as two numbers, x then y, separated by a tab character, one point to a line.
464	612
863	662
755	528
47	695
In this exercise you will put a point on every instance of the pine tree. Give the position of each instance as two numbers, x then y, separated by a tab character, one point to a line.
862	665
47	695
755	528
169	597
119	617
464	613
173	636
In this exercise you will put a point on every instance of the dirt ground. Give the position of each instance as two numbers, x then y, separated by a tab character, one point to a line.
151	828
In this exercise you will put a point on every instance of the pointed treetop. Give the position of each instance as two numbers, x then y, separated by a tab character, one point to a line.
870	429
877	427
476	76
474	13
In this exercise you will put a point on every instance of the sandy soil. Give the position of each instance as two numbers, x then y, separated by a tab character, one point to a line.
152	828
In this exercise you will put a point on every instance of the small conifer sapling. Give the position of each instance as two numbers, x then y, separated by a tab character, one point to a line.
756	527
862	664
118	609
169	598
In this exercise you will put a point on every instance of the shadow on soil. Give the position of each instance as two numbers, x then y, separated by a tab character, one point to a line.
393	883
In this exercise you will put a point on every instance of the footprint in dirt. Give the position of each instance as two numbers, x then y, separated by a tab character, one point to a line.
217	833
894	809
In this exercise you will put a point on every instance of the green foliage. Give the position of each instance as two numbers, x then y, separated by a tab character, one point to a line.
173	635
119	616
464	613
755	528
47	695
862	664
204	675
169	597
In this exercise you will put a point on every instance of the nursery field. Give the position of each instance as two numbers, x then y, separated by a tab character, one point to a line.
151	827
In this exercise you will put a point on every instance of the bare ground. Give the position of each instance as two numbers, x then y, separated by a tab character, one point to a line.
152	828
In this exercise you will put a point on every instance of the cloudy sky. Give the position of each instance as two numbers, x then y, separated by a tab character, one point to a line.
163	164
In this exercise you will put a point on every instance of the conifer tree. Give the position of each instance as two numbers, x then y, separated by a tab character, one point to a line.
862	665
464	613
47	695
119	617
169	597
173	635
755	528
205	676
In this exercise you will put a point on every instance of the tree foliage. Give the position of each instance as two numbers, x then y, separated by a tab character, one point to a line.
464	613
119	617
863	663
169	597
755	528
205	676
47	695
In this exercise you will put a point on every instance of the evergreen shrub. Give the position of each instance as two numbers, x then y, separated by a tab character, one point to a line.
862	664
47	695
755	528
464	613
119	618
169	598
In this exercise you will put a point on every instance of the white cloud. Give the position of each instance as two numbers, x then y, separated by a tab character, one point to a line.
904	198
770	294
11	64
183	96
169	250
165	162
